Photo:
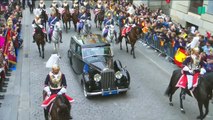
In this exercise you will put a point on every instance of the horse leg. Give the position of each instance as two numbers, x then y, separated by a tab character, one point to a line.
69	24
66	26
126	46
133	51
120	42
43	51
200	105
39	50
206	105
181	101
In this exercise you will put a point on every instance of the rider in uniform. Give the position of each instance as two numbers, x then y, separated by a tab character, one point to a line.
99	7
87	6
55	83
51	22
107	21
82	17
42	5
37	23
54	4
65	6
192	65
129	25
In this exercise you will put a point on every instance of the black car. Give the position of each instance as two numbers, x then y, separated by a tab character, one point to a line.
91	56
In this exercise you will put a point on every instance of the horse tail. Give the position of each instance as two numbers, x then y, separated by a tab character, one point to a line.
173	80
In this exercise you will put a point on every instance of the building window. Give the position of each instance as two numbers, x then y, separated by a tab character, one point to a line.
194	4
210	7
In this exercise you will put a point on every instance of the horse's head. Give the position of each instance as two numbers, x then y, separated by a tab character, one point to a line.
62	108
57	26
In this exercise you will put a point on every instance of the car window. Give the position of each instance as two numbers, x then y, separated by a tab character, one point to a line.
78	49
72	44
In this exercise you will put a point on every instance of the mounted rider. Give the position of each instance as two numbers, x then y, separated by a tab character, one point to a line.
87	6
37	23
55	84
192	68
109	21
54	4
129	25
75	5
65	6
51	22
82	17
42	5
98	8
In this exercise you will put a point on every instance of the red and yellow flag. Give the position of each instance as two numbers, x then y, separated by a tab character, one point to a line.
179	57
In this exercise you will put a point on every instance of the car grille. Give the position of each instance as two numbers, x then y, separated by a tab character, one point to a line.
107	79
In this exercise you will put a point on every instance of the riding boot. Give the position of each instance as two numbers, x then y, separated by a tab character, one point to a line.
183	94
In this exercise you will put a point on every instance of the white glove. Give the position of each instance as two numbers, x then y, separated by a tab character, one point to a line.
47	89
62	91
33	25
40	26
186	68
202	71
191	71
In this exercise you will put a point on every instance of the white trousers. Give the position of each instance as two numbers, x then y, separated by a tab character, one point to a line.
189	80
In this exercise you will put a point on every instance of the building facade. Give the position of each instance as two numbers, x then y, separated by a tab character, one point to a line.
187	14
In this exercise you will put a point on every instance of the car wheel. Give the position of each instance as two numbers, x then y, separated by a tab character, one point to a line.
85	91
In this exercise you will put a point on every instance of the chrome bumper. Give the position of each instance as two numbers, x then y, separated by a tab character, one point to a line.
110	92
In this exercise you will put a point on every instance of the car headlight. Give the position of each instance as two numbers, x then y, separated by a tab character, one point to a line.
118	75
97	77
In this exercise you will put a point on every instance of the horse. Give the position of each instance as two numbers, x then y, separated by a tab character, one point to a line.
99	19
131	39
87	27
74	17
111	35
66	17
56	36
202	93
44	17
31	5
40	37
60	109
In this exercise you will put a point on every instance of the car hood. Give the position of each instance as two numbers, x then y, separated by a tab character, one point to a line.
100	66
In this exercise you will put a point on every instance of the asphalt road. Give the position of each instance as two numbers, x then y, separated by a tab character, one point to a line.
145	100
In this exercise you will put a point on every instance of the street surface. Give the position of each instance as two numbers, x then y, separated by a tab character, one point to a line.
150	75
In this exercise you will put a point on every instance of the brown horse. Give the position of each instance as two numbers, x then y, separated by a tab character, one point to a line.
131	39
203	92
60	109
40	37
74	17
66	17
99	19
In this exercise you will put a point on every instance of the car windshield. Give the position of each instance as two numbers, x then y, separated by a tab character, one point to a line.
96	51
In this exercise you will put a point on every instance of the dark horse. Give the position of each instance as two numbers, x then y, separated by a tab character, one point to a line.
74	17
60	109
40	37
203	92
44	18
131	39
31	5
66	17
99	19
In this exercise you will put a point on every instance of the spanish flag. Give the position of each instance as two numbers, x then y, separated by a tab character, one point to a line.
179	57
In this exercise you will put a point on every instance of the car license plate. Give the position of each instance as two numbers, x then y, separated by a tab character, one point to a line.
112	92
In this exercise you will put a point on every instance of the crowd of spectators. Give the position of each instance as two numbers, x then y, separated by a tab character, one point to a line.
10	39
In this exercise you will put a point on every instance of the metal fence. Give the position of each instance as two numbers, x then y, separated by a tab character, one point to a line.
158	44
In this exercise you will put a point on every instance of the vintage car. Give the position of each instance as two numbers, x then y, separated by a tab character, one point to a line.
91	56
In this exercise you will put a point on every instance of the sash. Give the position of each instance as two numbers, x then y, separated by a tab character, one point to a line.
53	21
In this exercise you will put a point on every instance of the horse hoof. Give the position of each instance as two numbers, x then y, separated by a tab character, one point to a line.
171	104
199	117
182	111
